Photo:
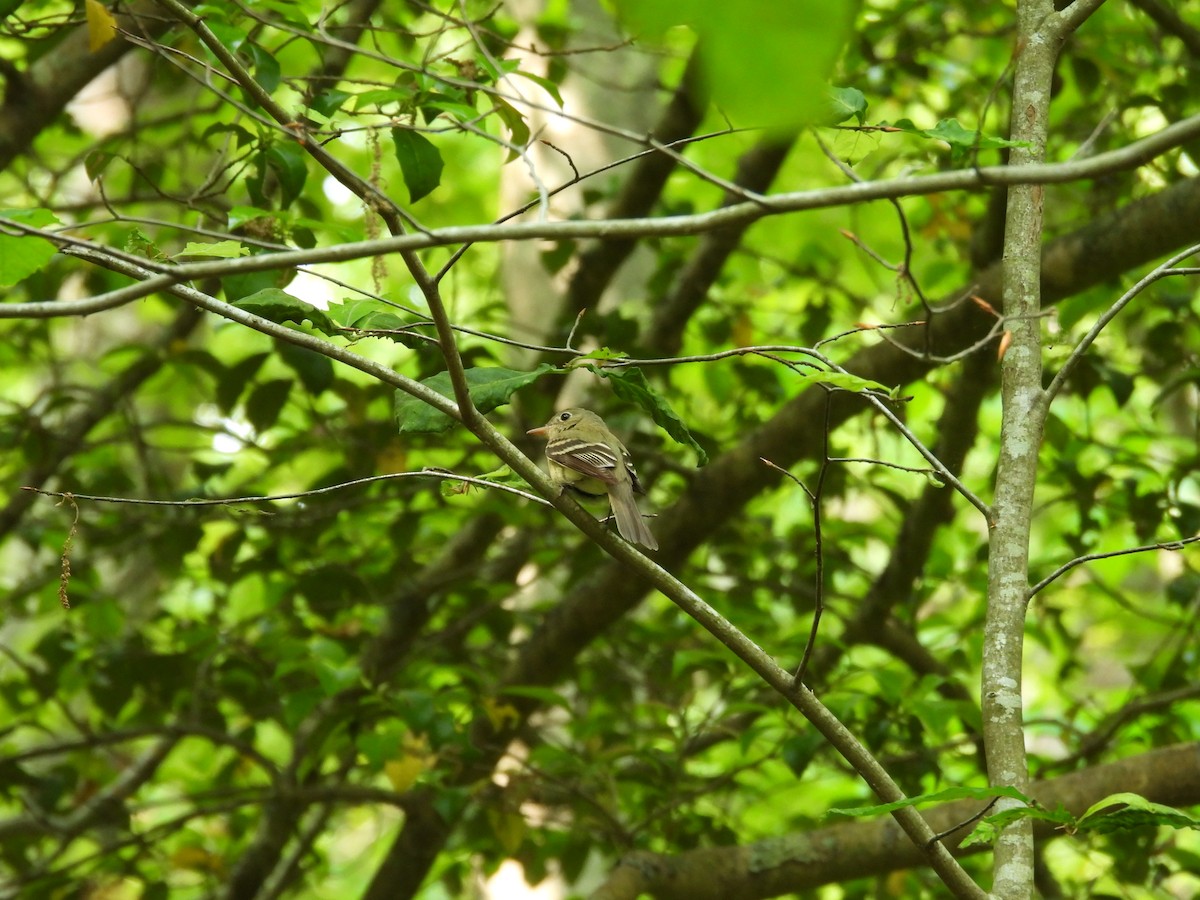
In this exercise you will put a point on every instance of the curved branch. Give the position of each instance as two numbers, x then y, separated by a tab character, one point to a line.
1127	157
800	862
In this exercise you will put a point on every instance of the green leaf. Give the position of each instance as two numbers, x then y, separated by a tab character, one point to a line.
515	122
231	37
221	249
280	307
371	316
764	62
630	384
235	379
954	793
266	68
243	136
845	381
239	287
987	830
290	165
432	107
420	162
240	215
315	369
139	243
958	137
96	161
544	83
601	353
845	102
328	102
266	402
382	97
21	256
1128	810
490	387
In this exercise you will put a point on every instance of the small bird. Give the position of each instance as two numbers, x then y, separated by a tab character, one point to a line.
583	455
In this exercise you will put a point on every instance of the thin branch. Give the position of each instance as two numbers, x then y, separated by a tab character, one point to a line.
1165	270
664	226
1092	557
819	589
1072	16
274	498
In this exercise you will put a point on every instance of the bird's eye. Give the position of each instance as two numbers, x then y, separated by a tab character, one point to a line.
564	416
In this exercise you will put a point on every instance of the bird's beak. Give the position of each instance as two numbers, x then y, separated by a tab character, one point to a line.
539	432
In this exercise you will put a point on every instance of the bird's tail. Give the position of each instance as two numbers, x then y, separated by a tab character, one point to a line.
629	518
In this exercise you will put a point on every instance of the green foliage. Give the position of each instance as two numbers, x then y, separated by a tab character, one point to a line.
22	255
302	653
962	141
765	63
420	162
279	306
1128	810
630	384
490	388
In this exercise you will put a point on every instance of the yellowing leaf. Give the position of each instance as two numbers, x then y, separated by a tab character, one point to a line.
743	331
404	771
102	27
508	827
197	859
499	712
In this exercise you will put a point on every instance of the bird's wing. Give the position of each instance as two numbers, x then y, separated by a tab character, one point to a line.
588	457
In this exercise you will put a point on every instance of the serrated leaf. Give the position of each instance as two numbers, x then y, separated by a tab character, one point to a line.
220	249
240	215
280	307
139	243
420	162
21	256
630	384
956	135
1129	810
987	830
370	316
351	312
490	387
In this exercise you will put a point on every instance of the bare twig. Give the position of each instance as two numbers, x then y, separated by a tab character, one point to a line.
1092	557
300	495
